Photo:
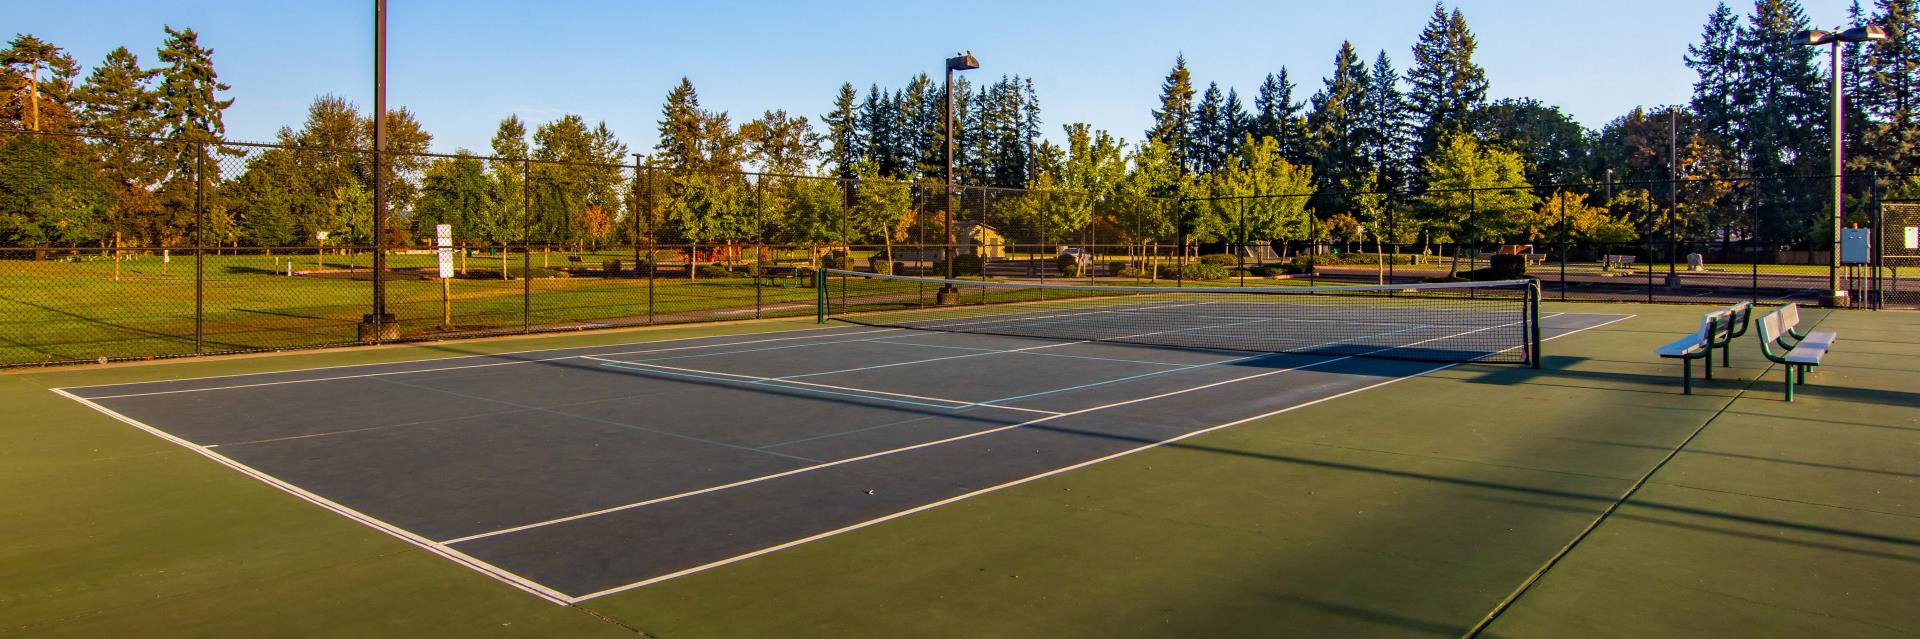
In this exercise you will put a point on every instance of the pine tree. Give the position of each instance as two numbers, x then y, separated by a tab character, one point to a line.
190	107
680	128
1891	92
883	141
1337	124
1209	120
1276	115
1388	145
1235	123
1716	59
964	122
1030	123
923	113
190	111
1173	121
1853	78
1784	120
117	102
39	84
1446	86
846	144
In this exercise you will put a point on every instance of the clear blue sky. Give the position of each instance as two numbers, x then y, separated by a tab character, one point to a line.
462	66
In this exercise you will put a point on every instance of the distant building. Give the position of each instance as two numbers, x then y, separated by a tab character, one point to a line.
982	240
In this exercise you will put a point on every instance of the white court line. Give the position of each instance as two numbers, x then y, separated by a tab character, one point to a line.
1038	476
496	572
448	358
467	367
776	381
973	348
838	462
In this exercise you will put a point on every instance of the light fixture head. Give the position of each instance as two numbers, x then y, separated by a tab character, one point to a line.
1864	33
963	62
1813	37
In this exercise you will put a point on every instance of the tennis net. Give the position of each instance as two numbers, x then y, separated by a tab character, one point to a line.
1451	322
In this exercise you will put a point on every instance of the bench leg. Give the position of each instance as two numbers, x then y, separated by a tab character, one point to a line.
1803	374
1790	383
1686	376
1726	353
1708	373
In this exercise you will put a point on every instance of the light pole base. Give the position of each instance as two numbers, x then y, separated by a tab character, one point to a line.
387	329
947	296
1836	299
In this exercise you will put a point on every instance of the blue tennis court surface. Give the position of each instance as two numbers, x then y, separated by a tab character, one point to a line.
581	472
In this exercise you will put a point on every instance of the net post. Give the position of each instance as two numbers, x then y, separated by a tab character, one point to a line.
819	296
1533	321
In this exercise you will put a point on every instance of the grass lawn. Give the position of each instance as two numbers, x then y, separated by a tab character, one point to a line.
53	310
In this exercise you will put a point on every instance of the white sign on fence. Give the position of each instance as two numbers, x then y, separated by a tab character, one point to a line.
443	238
1913	237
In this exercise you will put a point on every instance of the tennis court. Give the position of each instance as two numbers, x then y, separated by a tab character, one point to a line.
576	473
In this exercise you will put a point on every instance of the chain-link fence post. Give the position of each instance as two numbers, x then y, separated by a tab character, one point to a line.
199	248
526	246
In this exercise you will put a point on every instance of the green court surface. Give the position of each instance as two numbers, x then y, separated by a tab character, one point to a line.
1417	508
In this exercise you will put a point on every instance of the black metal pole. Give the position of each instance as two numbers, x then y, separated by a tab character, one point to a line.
1673	196
199	248
379	168
653	257
1565	234
634	236
1180	243
1393	234
1833	296
526	246
1753	287
948	252
1875	244
1533	320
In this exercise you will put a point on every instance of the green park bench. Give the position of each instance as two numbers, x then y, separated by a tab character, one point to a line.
1798	350
1713	331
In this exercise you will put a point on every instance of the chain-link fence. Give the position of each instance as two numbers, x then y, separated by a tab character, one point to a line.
121	248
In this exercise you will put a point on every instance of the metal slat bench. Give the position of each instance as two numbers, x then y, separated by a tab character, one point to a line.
1699	345
1799	350
1739	317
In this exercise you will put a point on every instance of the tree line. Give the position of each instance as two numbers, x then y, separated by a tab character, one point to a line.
1374	153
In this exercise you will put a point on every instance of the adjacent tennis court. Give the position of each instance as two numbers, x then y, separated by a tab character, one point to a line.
582	472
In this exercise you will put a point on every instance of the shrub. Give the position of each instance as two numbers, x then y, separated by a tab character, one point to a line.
834	260
962	265
1069	264
1193	271
513	272
714	271
610	266
1507	267
880	263
1222	260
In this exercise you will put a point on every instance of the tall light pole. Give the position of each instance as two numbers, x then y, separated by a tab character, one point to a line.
962	62
380	321
1865	33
